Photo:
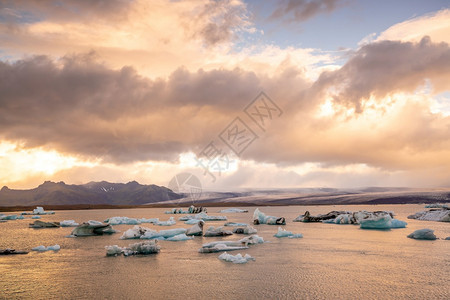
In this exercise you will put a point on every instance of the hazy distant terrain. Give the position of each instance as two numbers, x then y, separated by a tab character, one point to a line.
133	193
51	193
324	196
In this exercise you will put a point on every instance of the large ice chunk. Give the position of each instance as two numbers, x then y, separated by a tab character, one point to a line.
245	230
68	223
441	215
284	233
113	250
179	237
48	248
193	221
203	216
40	211
251	240
197	229
41	224
169	222
143	248
163	234
236	259
261	218
423	234
91	228
398	223
376	222
219	231
136	232
221	246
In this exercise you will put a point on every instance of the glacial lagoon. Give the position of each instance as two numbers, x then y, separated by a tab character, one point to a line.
330	261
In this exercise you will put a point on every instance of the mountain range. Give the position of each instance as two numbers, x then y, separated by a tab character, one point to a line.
93	193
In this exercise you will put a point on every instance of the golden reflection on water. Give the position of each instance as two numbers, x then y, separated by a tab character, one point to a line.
331	261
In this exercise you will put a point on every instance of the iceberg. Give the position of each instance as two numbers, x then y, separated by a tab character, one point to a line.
122	220
233	210
151	220
92	228
143	248
251	240
440	215
219	231
203	216
43	248
219	246
245	230
320	218
41	224
447	238
179	237
68	223
422	234
136	232
236	259
260	218
163	234
284	233
192	221
170	222
235	224
398	223
113	250
36	217
40	211
376	222
197	229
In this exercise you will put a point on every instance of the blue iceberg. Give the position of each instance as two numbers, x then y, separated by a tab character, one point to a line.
423	234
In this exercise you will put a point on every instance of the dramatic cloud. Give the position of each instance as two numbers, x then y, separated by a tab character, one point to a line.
302	10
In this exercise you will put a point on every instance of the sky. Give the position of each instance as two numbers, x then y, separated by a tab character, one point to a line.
241	94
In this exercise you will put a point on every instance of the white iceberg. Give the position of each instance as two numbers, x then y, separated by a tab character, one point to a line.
169	222
40	211
142	248
423	234
233	210
236	259
440	215
68	223
163	234
151	220
192	221
113	250
221	246
284	233
136	232
245	230
197	229
43	248
122	220
203	216
251	240
91	228
179	237
260	218
219	231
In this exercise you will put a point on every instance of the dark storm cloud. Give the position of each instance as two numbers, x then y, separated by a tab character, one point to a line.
302	10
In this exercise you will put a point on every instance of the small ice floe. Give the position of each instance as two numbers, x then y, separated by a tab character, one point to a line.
236	259
203	216
436	205
163	234
41	224
245	230
440	215
234	224
179	237
43	248
11	217
233	210
40	211
143	248
150	220
260	218
169	222
219	231
122	220
68	223
284	233
36	217
423	234
192	221
219	246
92	228
197	229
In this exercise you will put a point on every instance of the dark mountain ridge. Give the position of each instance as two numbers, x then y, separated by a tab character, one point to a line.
59	193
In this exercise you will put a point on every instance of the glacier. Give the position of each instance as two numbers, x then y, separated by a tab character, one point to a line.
236	259
423	234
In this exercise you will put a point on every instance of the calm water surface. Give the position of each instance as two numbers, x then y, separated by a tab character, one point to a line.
331	261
